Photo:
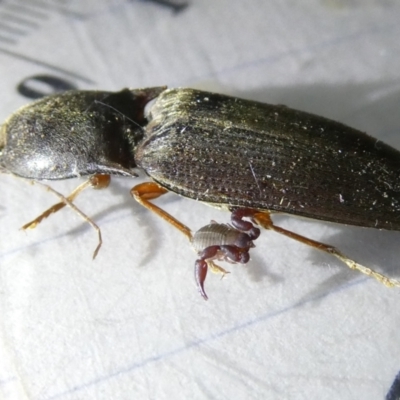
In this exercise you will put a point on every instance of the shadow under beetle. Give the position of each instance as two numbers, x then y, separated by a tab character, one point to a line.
249	158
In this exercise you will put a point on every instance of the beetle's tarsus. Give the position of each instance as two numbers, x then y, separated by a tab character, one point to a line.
388	282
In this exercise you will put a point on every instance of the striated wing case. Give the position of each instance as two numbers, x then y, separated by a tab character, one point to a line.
237	153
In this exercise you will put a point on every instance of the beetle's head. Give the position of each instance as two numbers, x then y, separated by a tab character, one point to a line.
76	133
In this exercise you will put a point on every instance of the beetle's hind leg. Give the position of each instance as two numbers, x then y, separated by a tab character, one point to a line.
96	181
264	219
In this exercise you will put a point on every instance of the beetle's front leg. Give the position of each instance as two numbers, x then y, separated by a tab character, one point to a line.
98	181
95	182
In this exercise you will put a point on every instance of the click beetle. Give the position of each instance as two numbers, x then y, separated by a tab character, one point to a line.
249	158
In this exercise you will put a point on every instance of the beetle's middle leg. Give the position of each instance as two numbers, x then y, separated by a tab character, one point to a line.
264	219
146	191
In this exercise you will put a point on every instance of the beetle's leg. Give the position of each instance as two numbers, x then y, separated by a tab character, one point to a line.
149	191
264	219
95	181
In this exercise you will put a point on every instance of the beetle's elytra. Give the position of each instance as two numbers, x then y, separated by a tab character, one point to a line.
246	157
239	153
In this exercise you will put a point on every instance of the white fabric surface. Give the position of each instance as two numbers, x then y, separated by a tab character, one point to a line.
293	323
